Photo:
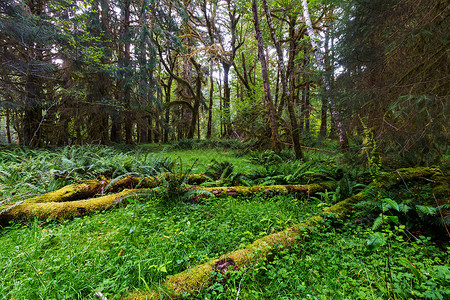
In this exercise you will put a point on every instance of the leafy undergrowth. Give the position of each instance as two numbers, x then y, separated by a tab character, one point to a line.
336	264
134	247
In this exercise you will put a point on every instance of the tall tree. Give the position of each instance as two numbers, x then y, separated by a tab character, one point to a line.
287	90
265	77
343	141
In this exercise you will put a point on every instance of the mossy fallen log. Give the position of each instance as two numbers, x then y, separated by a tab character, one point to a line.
386	180
65	210
71	192
193	279
46	209
130	182
92	188
308	189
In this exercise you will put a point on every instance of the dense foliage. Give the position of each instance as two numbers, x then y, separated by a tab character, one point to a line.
219	149
133	71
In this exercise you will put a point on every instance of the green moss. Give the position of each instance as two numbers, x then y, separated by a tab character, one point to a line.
341	209
64	210
271	189
71	192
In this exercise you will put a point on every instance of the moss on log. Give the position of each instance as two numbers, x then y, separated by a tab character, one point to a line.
71	192
193	279
154	181
65	210
91	188
387	180
270	189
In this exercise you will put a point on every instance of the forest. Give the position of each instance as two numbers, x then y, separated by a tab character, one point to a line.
218	149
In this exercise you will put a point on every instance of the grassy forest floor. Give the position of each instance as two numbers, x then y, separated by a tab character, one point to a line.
391	245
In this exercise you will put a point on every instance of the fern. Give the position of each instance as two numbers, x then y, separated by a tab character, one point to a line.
426	210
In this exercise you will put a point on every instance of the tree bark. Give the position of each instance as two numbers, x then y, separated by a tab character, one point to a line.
287	90
265	76
226	100
343	141
211	99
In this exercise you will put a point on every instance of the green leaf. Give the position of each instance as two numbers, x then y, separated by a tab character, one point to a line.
403	208
426	210
390	202
375	241
393	219
162	269
377	223
406	263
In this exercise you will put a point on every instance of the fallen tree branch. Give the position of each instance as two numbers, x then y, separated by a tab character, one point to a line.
77	208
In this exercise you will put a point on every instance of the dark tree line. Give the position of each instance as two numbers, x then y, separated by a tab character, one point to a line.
138	71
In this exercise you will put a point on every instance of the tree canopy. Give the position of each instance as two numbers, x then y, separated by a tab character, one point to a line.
275	72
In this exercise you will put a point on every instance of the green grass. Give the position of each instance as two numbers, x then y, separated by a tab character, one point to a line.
133	247
138	246
200	158
335	264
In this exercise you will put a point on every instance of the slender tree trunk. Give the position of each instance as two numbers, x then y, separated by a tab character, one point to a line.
265	76
8	129
343	141
324	108
287	91
211	95
197	99
116	128
126	77
226	99
220	103
307	107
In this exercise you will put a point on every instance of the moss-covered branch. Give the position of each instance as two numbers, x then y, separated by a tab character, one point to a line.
270	189
92	188
195	278
71	192
65	210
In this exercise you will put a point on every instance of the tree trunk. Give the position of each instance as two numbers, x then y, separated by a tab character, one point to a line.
287	90
265	76
307	107
8	128
343	141
116	128
226	100
211	95
124	61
